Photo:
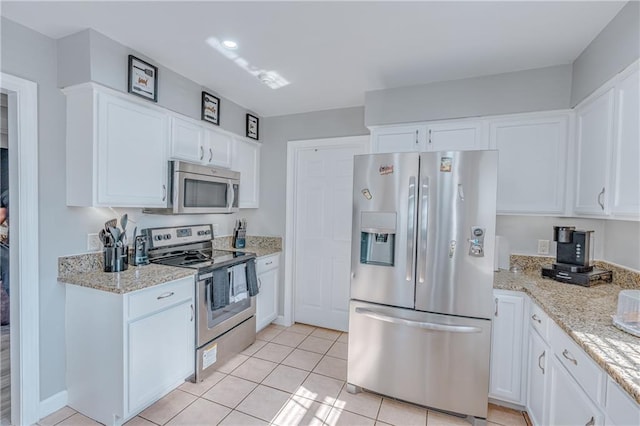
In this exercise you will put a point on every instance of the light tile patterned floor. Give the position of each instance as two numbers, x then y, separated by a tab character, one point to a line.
289	376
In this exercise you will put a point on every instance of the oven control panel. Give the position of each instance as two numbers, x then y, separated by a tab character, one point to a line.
164	237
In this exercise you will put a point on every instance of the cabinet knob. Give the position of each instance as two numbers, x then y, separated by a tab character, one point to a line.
540	359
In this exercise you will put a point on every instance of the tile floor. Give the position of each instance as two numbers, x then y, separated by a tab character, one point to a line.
289	376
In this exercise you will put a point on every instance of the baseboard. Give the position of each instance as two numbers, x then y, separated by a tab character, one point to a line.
280	321
507	404
53	403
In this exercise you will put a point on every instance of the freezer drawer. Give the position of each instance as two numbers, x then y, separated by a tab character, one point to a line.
435	360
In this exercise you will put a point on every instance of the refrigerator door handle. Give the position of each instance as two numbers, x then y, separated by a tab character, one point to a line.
422	239
411	230
433	326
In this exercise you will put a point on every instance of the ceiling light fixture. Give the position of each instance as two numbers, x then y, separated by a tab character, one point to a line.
230	44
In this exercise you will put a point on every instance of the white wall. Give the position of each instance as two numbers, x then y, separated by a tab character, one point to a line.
622	243
523	91
616	47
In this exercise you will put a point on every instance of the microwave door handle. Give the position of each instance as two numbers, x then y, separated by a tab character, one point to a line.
231	195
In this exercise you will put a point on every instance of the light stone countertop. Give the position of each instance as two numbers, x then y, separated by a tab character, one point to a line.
584	313
134	278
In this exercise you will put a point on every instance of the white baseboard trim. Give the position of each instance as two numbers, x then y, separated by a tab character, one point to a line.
53	403
280	321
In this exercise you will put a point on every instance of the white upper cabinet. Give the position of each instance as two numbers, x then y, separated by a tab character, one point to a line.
625	197
532	163
219	148
594	125
452	135
399	138
246	160
187	140
455	136
116	149
198	143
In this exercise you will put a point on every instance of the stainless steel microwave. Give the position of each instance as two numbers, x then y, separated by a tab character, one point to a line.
197	189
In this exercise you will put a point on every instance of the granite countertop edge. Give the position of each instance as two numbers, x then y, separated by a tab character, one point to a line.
562	316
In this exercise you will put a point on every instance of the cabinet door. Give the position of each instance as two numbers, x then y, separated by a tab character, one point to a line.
246	160
537	380
399	139
132	154
594	134
568	404
219	149
161	353
267	300
532	164
186	141
458	136
506	349
626	147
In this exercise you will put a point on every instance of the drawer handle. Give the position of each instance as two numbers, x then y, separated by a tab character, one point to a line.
496	312
192	312
201	153
568	356
269	262
535	318
540	359
210	155
591	422
165	295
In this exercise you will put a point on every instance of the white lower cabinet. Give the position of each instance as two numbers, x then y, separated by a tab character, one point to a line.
267	270
507	381
126	351
538	371
568	403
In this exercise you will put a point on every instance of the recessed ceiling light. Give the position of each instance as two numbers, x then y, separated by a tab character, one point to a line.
230	44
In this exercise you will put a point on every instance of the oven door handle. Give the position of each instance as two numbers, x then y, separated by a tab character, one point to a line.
231	193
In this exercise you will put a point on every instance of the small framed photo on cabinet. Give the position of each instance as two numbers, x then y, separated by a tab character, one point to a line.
143	79
252	127
210	108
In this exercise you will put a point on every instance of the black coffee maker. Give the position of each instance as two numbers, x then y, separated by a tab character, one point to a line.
573	258
573	249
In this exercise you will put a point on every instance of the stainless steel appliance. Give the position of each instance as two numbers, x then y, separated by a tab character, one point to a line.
225	290
200	189
422	278
573	259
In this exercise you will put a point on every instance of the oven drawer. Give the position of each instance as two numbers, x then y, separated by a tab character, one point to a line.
149	300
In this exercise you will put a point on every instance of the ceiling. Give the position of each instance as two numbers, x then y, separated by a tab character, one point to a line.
331	52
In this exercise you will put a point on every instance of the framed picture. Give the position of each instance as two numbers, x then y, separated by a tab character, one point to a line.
252	127
143	79
210	108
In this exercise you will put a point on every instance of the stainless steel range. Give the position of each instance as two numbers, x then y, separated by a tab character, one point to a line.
225	290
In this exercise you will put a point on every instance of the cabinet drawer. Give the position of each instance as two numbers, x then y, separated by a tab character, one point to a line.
539	320
620	408
155	298
267	262
587	373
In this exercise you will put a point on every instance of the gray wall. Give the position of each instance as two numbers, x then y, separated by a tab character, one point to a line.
622	243
269	219
92	56
616	47
523	91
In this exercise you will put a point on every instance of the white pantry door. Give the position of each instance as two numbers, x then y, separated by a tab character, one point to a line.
322	202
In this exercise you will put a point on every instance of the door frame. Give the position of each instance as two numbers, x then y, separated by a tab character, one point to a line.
293	148
24	260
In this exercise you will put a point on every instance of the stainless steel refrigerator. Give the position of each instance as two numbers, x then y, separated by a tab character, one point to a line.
422	278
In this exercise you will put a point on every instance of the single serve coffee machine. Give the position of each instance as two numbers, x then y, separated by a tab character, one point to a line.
573	258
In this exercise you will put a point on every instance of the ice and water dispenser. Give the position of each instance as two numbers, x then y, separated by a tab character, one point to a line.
377	238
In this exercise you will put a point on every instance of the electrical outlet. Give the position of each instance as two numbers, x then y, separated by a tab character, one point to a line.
93	242
216	230
543	246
